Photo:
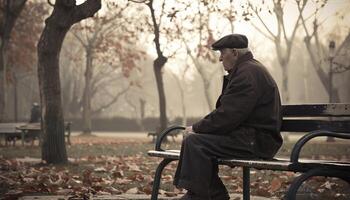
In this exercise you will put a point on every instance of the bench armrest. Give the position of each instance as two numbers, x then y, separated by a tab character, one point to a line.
163	134
303	140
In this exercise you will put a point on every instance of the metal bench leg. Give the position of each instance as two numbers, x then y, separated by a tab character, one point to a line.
246	183
157	177
293	189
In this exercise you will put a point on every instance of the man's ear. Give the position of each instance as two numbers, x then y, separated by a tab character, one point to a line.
235	52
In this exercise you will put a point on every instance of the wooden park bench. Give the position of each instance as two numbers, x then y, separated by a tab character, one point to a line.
331	120
33	130
26	132
9	133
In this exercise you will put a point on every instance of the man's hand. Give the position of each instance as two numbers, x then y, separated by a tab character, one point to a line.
188	131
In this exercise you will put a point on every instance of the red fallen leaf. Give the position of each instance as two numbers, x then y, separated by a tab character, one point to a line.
170	194
147	189
263	192
87	177
275	184
139	177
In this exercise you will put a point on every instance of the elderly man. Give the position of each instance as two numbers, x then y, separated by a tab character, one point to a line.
245	124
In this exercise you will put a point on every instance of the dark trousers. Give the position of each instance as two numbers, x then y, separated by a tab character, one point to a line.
197	169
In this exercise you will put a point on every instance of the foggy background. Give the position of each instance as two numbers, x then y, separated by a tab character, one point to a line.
125	95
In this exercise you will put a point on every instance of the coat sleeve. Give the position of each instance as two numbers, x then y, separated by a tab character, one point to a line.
237	102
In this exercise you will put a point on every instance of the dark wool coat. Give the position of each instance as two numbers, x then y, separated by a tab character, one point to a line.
248	109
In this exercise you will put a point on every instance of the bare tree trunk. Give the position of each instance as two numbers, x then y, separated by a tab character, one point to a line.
15	97
285	91
182	97
11	11
64	15
49	46
324	78
158	64
205	81
87	126
142	112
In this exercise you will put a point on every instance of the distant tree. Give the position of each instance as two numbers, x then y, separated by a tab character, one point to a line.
109	41
282	40
160	61
22	45
321	58
181	84
200	13
65	13
9	12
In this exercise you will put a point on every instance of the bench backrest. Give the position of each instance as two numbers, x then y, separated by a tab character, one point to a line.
310	117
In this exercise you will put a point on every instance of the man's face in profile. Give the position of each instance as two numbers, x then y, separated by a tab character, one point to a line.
228	57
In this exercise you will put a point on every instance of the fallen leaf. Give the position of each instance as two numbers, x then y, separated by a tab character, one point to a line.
134	168
275	185
100	169
132	191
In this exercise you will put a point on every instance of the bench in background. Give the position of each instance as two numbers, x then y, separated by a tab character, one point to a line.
331	120
27	132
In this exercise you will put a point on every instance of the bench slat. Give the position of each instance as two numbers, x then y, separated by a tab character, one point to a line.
303	125
277	164
316	110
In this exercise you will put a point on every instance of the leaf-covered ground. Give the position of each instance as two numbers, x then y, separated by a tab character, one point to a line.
104	165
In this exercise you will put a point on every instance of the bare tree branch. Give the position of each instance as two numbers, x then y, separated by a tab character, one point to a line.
161	14
82	42
50	3
261	20
342	45
86	9
112	101
263	33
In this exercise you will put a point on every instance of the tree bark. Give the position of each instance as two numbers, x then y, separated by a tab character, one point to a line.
285	90
87	125
64	15
157	66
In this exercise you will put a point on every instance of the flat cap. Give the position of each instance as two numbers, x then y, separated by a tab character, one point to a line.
231	41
